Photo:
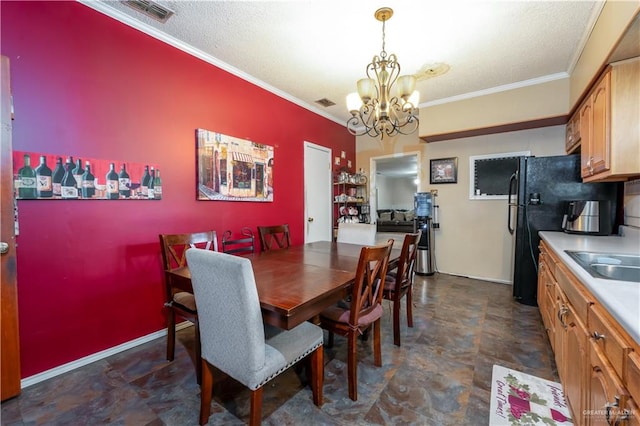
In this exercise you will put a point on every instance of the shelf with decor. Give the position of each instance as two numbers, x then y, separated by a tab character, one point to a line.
350	198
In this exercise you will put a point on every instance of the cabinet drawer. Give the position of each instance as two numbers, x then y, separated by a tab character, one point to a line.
574	293
608	340
632	378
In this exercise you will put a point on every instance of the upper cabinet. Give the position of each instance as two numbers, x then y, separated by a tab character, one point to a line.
609	122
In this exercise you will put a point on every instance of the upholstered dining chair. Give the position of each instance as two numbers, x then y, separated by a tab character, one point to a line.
357	233
233	336
363	310
399	283
274	237
241	245
179	298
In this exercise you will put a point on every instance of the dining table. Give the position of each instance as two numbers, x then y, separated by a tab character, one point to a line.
297	283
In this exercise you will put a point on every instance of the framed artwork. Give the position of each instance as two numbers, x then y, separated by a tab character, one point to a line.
444	170
233	169
41	176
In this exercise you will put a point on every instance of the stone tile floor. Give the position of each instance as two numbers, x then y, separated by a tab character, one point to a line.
439	376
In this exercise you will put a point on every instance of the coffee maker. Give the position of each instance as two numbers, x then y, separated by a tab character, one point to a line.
591	217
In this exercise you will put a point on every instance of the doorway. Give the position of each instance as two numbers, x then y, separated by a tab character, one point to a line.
394	180
317	193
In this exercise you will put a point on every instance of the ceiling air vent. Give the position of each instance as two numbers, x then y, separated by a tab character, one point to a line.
150	8
325	102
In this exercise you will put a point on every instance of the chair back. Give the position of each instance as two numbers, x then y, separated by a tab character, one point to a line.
242	245
274	237
406	262
357	233
231	327
366	292
174	247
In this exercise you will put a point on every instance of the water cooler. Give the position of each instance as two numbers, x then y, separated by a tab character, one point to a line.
425	222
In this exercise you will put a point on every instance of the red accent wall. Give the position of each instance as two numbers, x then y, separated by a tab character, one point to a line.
89	272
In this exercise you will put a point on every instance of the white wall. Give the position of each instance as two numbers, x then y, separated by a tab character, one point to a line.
395	192
473	239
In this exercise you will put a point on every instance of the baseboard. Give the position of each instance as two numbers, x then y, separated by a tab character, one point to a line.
493	280
37	378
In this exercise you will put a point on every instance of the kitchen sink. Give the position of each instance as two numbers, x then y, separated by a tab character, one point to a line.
612	266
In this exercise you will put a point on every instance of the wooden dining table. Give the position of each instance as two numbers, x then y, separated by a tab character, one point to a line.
297	283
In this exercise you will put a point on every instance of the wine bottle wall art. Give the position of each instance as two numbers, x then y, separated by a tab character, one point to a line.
39	176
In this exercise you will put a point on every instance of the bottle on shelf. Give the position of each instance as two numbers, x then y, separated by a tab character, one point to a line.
69	186
78	171
56	179
150	189
88	182
27	178
144	182
157	186
112	183
124	182
44	184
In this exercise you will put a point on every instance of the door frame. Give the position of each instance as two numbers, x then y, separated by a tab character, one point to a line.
373	191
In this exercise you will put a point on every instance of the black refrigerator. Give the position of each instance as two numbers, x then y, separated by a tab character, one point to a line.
538	193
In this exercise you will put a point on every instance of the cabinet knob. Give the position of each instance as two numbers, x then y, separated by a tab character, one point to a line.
598	336
309	219
4	247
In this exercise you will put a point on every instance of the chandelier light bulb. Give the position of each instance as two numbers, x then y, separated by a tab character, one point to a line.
354	103
406	86
366	86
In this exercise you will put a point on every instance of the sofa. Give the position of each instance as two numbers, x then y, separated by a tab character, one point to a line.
395	220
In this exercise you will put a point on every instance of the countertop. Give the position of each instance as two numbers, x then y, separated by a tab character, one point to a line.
620	298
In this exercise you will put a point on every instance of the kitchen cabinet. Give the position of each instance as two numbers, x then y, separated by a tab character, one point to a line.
608	121
598	363
350	199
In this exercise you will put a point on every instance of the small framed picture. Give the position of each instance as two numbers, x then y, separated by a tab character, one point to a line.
444	170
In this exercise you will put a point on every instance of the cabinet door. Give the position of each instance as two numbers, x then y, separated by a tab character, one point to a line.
575	365
606	397
586	113
546	297
601	124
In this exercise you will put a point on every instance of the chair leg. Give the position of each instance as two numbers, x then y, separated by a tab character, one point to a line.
352	365
206	390
330	342
409	307
317	374
377	351
198	350
171	334
396	322
255	416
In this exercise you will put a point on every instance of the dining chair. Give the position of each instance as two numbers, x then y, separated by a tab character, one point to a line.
234	338
363	310
274	237
399	283
242	245
179	298
357	233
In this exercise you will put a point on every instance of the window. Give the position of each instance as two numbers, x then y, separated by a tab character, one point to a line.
489	174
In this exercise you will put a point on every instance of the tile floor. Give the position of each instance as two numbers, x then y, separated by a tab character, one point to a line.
440	376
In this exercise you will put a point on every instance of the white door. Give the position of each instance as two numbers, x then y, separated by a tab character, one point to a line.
317	193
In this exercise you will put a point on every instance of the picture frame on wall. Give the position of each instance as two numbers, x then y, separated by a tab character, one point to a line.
444	170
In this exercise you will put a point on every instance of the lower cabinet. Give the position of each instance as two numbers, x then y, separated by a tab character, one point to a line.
598	363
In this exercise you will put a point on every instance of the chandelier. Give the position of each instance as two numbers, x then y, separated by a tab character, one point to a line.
374	111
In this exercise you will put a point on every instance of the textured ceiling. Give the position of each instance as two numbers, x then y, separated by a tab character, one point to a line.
309	50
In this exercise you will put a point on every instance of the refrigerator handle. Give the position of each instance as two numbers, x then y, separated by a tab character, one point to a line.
512	184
